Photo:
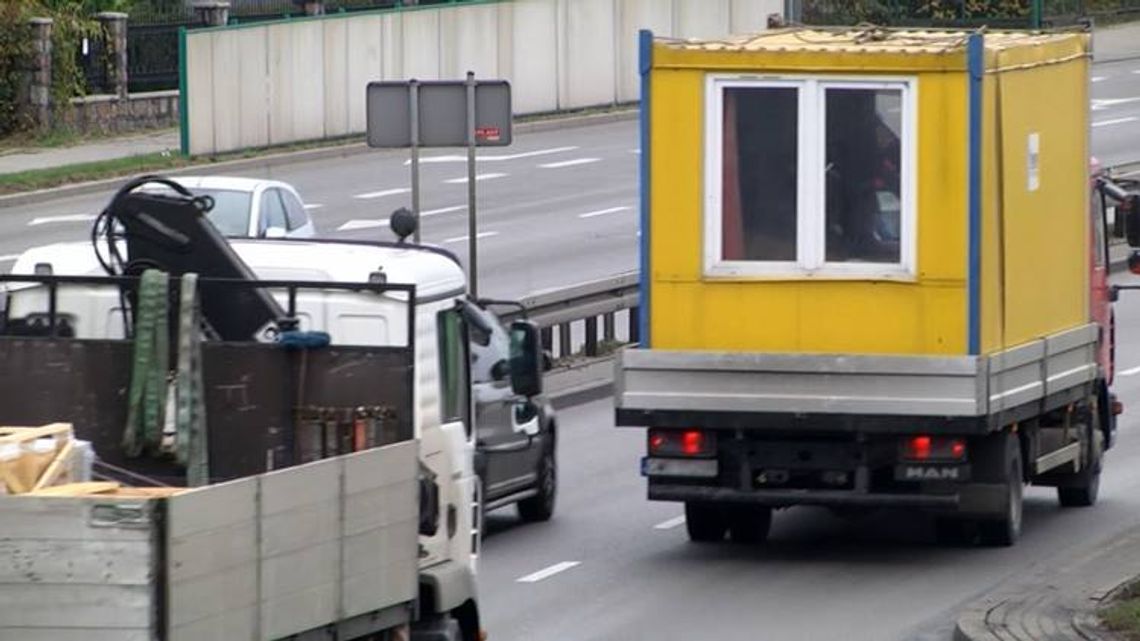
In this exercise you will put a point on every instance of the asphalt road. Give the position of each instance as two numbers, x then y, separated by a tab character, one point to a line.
555	208
881	578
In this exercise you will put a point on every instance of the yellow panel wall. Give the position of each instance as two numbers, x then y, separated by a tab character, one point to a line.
1046	230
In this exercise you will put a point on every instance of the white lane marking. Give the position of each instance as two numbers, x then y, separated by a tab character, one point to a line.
71	218
1136	71
382	193
1114	121
360	224
671	523
1105	103
603	212
442	210
478	178
1130	371
569	163
546	573
1097	78
9	258
463	239
313	206
499	158
635	151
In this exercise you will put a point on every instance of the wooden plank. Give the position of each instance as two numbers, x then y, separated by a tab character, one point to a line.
78	489
62	458
35	563
23	434
52	606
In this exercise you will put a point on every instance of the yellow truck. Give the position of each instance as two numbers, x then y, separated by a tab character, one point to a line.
873	273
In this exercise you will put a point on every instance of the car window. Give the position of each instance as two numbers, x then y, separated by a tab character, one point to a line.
453	369
231	210
294	211
488	346
272	212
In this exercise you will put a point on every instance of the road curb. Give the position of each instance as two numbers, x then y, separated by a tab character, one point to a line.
343	149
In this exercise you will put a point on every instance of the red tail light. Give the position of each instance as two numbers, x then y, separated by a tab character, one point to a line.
691	442
933	448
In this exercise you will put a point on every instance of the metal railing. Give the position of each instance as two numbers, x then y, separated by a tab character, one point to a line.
594	305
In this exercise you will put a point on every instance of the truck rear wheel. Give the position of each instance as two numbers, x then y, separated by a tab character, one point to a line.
705	522
749	524
1006	529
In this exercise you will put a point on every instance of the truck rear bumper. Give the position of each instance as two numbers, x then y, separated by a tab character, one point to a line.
972	498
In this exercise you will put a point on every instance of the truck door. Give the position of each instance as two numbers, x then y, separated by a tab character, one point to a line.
503	427
1099	298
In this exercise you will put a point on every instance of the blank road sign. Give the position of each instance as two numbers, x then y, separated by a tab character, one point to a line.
442	113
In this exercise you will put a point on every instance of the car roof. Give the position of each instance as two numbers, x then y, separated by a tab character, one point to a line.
232	183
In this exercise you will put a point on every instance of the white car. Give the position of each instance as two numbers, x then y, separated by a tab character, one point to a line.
250	207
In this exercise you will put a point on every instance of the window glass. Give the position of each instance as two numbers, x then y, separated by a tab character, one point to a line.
759	201
272	212
453	393
231	210
294	211
864	156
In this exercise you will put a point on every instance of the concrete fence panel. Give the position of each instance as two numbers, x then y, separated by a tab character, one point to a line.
365	64
534	55
637	15
335	76
255	85
588	64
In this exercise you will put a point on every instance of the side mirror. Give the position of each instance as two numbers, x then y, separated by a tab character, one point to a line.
526	359
275	232
1130	208
547	360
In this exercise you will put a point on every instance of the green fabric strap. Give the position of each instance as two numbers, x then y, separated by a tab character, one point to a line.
151	361
192	446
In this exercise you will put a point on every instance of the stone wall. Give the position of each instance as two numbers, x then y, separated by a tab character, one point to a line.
106	114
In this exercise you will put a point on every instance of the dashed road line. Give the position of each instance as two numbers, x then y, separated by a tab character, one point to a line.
478	178
1129	372
671	523
361	224
1097	78
603	212
548	572
463	239
489	158
311	206
71	218
9	258
442	210
382	193
1114	121
570	163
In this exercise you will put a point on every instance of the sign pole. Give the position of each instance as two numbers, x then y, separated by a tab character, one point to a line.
472	227
414	99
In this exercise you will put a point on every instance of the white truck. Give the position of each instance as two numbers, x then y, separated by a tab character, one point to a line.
71	296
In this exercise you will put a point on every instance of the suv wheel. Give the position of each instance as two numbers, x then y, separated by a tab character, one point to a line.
540	507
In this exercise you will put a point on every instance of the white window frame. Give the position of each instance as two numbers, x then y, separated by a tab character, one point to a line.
810	190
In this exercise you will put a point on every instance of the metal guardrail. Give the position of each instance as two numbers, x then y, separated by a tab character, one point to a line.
557	310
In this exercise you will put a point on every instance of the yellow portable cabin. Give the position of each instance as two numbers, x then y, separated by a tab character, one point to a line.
864	191
866	272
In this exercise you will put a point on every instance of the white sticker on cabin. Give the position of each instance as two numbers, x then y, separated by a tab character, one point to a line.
1033	162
